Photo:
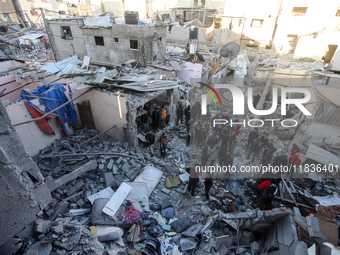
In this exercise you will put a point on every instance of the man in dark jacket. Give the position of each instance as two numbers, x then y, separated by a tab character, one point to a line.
268	152
224	135
254	148
145	121
252	135
208	183
155	119
187	114
150	140
179	114
193	180
226	159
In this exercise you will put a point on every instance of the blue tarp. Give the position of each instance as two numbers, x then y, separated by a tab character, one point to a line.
52	96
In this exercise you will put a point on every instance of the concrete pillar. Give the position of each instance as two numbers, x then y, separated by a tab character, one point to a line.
131	131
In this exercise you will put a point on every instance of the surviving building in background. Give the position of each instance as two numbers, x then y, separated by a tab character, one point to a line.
105	42
79	10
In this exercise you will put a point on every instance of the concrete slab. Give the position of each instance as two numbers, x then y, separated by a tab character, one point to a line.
53	185
117	199
139	192
105	193
151	176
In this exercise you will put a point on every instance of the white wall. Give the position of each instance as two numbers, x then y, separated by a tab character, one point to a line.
33	138
105	111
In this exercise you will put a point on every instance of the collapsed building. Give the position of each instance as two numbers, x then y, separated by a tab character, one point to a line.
74	153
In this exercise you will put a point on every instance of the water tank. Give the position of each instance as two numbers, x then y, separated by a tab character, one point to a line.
131	18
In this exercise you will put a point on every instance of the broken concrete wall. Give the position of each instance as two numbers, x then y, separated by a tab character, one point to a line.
106	113
315	47
221	36
317	133
116	48
23	191
190	73
30	133
65	48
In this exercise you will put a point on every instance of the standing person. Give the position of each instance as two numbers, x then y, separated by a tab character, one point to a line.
163	116
179	114
264	139
254	148
193	180
189	132
168	113
268	152
294	160
155	120
187	114
227	160
182	102
237	129
233	141
256	100
208	183
150	140
224	135
252	136
163	140
145	121
212	140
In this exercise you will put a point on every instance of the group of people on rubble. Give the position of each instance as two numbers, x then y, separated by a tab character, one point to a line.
160	119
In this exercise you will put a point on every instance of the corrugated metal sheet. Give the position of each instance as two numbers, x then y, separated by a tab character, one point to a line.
62	66
328	114
154	85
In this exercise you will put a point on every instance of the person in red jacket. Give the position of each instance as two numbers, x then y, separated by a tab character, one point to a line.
295	149
237	129
264	185
294	160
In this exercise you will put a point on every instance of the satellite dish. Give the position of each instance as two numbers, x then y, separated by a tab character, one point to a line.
230	50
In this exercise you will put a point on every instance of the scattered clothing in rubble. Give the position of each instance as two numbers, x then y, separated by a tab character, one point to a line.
332	210
152	247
